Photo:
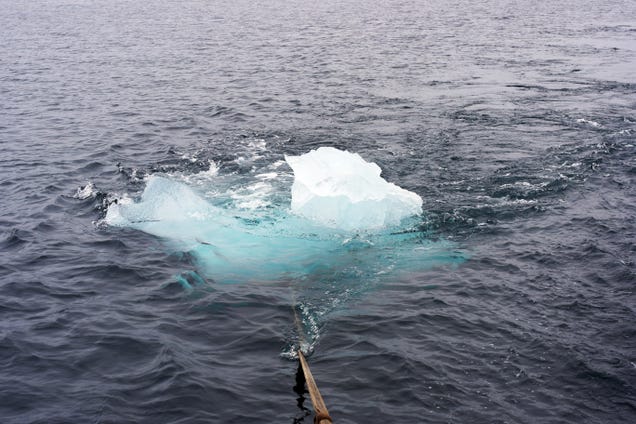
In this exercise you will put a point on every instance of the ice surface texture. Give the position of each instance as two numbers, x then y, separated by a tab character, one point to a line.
339	189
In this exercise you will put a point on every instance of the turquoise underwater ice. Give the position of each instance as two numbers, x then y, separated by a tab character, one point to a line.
371	231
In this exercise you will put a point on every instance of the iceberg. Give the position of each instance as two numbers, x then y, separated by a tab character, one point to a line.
339	189
343	222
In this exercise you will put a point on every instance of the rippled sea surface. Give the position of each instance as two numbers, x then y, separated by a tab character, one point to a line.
514	121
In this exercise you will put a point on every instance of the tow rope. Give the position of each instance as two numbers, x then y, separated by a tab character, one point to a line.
320	409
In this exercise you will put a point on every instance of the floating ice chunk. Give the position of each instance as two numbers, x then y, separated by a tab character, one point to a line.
85	192
221	242
163	200
230	242
339	189
167	208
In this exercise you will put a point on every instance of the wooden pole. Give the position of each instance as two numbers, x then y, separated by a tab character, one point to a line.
322	414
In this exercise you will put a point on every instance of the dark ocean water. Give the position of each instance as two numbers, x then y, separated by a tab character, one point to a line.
514	121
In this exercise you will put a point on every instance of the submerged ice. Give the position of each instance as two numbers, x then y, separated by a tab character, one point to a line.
339	189
342	220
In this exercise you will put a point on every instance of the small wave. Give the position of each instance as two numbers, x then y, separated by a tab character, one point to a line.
14	238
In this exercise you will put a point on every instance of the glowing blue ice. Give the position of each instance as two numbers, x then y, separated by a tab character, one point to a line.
344	221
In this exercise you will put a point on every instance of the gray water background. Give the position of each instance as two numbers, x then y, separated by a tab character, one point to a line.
513	120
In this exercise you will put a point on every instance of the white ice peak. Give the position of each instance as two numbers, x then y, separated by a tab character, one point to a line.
341	190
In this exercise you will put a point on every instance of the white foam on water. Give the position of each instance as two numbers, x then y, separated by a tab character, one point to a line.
589	122
213	170
252	196
85	192
200	178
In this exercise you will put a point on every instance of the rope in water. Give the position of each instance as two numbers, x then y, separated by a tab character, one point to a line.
322	414
320	409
